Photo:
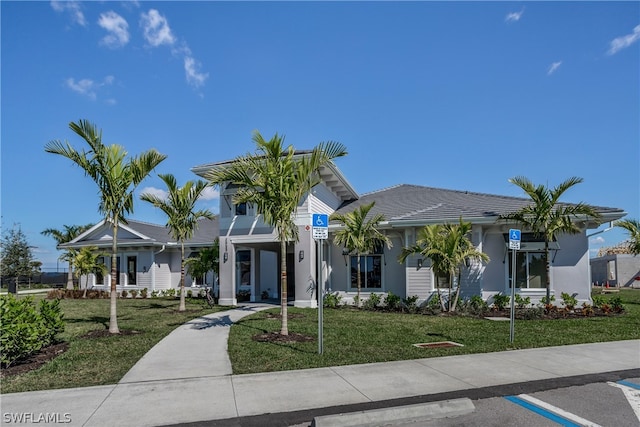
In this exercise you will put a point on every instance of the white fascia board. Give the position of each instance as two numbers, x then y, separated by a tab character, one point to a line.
86	233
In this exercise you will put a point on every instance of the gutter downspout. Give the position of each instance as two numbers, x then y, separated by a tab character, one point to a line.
153	267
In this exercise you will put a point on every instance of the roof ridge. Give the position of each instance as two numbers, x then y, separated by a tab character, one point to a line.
382	189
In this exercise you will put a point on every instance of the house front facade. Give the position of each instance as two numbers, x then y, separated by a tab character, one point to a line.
147	257
250	252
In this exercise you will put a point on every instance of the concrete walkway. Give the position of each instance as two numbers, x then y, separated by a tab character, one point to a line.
187	378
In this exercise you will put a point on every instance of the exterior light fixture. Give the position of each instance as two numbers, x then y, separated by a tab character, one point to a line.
225	257
300	256
419	262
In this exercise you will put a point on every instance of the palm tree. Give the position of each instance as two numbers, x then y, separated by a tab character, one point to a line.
633	227
208	259
547	217
275	180
449	249
86	262
116	177
69	233
179	206
359	235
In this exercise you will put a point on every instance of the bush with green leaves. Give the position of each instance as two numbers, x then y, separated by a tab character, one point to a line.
598	300
521	302
477	305
373	302
24	329
500	301
616	304
569	301
332	300
393	301
410	304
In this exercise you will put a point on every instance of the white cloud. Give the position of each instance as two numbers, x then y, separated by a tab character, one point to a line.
161	194
87	87
194	78
625	41
156	29
514	16
553	67
84	87
117	27
73	7
596	240
209	193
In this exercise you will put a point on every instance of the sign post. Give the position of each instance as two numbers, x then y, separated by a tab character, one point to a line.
320	227
514	245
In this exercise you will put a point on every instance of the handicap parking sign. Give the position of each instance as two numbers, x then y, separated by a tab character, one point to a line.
514	238
320	220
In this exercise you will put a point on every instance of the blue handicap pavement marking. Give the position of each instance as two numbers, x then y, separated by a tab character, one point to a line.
629	384
320	220
542	412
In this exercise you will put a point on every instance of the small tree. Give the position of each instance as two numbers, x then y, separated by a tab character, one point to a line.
545	216
179	207
69	233
86	261
360	235
17	259
275	180
633	228
450	249
116	175
206	261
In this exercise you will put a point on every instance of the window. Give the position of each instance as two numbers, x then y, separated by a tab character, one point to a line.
531	270
370	270
243	268
132	267
441	281
241	209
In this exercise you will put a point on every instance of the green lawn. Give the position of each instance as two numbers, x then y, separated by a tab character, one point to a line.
351	336
99	361
356	336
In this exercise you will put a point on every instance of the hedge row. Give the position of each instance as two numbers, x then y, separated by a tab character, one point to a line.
25	329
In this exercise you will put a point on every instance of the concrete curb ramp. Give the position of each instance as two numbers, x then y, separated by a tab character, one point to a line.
398	414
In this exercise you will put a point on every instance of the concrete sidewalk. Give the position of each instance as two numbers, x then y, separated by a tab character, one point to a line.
187	378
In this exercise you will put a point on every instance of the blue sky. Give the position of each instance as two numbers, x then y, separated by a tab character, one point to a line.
454	95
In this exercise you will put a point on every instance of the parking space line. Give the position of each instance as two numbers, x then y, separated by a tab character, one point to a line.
551	412
631	392
629	384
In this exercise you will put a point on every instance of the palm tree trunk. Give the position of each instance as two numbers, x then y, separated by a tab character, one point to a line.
358	280
284	329
452	306
548	268
182	302
113	314
70	276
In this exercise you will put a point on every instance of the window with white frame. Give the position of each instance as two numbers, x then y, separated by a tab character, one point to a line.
531	270
370	270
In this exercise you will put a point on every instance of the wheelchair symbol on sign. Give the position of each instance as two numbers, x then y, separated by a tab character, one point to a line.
514	235
319	221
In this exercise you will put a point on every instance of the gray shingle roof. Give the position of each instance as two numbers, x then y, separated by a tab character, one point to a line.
415	203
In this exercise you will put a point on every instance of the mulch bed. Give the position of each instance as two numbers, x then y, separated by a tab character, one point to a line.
35	361
282	339
49	353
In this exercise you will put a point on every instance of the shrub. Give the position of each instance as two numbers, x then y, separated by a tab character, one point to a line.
598	300
189	293
616	304
356	301
134	293
500	301
144	293
477	305
521	302
124	293
410	304
434	303
587	309
332	300
392	301
373	302
154	294
25	330
569	301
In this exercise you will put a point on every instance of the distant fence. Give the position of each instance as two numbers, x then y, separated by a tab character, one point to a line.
44	277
